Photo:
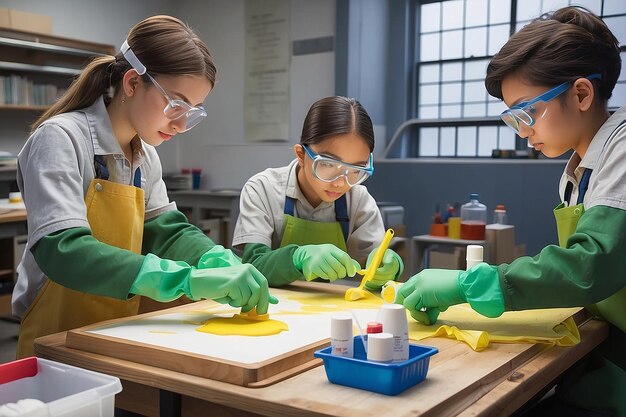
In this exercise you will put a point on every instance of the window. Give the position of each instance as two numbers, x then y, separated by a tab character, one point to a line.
455	41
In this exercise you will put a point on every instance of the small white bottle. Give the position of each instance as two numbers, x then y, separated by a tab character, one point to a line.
380	347
341	340
393	318
474	256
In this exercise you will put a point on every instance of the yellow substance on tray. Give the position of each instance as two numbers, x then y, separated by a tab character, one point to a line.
244	324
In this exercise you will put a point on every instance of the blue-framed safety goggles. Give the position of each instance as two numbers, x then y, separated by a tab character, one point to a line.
175	109
528	111
328	169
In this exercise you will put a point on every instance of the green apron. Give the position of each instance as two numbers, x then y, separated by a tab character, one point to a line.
596	382
612	309
308	232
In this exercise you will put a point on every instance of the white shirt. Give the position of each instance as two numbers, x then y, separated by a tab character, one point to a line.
605	156
261	212
55	168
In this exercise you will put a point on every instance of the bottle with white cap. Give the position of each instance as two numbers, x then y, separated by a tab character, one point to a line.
474	255
393	318
380	347
341	340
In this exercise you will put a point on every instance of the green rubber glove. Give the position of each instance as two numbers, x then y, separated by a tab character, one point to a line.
324	261
432	291
218	257
240	286
390	269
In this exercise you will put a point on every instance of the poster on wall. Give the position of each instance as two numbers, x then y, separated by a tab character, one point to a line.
266	89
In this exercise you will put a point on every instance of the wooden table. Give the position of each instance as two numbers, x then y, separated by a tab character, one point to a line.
460	381
12	223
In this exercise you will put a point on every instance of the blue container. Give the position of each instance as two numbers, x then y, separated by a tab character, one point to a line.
385	378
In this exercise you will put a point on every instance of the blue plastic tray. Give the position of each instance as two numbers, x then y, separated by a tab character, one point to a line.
385	378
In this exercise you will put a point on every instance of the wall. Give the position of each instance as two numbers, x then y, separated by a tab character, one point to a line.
528	189
217	144
91	20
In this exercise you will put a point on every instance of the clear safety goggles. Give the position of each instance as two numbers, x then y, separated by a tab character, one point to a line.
175	109
528	112
329	169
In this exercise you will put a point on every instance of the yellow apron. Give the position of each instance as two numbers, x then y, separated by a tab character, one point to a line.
308	232
115	213
612	309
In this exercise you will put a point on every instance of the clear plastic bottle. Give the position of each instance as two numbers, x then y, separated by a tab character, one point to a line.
499	215
473	219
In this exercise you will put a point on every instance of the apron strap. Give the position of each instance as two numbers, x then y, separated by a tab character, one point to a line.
341	215
341	212
102	172
582	187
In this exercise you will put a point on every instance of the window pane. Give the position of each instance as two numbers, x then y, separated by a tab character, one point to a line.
429	94
447	137
498	35
452	71
593	5
476	12
476	70
429	73
614	7
428	112
451	93
552	5
475	42
453	14
618	27
474	110
475	91
451	111
495	108
487	140
618	99
429	141
499	11
528	9
467	141
429	47
452	44
507	138
430	17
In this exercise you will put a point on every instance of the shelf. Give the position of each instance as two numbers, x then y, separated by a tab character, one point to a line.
4	272
48	69
25	108
53	44
38	46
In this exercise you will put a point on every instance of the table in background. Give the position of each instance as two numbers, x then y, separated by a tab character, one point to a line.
201	201
12	224
420	244
460	382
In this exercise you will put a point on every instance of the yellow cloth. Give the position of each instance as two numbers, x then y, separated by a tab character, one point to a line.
552	326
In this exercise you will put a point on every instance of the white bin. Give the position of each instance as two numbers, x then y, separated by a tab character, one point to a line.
66	390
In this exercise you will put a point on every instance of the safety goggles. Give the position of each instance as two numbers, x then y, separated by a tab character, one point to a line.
528	112
175	109
329	169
